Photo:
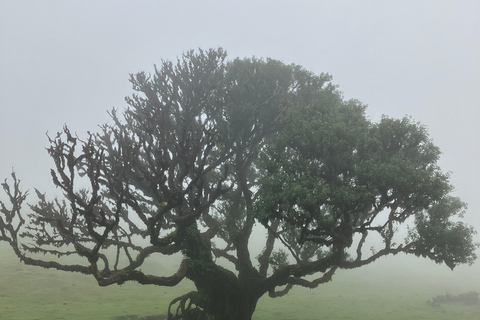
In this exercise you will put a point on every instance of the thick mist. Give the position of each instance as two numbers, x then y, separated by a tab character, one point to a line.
68	63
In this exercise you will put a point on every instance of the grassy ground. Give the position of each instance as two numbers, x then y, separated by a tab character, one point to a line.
28	293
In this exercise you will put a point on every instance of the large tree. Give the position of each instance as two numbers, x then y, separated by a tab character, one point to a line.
210	153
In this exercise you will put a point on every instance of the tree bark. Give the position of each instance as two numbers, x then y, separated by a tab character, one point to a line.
221	295
224	298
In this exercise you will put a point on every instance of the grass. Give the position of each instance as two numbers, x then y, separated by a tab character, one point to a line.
385	291
359	300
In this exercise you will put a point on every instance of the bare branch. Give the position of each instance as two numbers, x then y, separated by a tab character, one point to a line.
118	277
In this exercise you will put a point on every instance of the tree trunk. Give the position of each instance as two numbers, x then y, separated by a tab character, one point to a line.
224	299
221	294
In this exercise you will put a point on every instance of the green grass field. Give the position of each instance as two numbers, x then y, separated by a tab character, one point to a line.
386	290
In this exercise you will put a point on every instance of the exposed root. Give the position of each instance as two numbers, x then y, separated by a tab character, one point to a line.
188	308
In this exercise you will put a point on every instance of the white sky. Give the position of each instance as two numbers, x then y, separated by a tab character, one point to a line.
68	62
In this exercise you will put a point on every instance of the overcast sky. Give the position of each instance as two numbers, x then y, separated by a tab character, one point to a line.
67	62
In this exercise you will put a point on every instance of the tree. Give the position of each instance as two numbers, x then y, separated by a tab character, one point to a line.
211	151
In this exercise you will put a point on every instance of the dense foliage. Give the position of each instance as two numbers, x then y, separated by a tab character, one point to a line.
212	152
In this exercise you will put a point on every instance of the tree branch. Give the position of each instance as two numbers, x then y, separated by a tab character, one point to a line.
119	277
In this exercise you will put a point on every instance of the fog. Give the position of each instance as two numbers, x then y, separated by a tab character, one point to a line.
66	62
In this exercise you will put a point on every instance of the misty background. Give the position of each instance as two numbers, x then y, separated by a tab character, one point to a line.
68	62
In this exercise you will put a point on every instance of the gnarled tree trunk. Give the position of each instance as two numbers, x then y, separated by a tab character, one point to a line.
220	295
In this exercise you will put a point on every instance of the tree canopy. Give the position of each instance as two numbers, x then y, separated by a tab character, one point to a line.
211	151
